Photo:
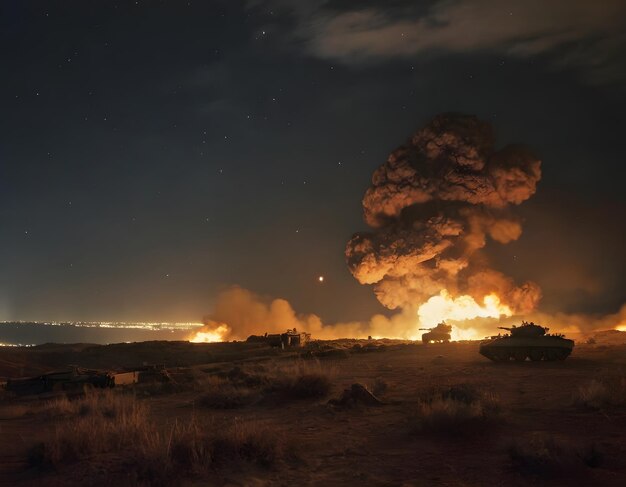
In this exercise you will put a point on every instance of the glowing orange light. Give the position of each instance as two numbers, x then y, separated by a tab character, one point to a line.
444	307
218	334
320	279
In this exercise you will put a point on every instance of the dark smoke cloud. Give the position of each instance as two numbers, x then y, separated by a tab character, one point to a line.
433	206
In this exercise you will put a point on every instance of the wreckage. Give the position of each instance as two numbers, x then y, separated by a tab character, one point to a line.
74	379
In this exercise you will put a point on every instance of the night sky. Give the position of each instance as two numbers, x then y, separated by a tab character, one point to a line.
154	152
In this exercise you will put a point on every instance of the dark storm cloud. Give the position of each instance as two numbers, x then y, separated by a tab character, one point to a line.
587	36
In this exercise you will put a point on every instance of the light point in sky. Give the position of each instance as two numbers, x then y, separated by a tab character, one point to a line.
320	278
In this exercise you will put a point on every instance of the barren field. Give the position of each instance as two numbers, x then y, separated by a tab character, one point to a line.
244	414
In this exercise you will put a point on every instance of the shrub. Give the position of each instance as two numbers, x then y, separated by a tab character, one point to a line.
119	426
602	393
106	403
301	380
105	423
458	410
308	386
227	397
545	456
249	442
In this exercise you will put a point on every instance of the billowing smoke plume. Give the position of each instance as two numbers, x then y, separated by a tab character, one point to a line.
433	206
239	313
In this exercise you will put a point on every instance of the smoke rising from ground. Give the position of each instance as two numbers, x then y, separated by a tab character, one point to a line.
245	313
242	313
432	207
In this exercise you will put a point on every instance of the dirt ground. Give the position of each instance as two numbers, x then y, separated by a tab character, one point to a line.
360	445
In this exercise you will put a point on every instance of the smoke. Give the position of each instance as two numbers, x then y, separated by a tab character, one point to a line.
432	208
239	313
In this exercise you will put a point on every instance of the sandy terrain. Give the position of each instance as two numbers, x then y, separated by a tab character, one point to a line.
536	403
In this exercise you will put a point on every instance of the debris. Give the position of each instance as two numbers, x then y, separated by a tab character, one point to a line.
355	396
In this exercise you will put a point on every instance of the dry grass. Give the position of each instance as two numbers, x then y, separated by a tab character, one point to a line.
602	393
101	423
243	386
302	380
222	394
103	403
545	456
198	448
119	427
458	410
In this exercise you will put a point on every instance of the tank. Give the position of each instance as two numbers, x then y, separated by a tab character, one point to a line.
527	340
292	338
438	334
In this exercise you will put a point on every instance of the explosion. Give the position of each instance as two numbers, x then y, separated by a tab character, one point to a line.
432	207
211	332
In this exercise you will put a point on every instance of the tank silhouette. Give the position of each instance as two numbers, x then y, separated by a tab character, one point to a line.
438	334
292	338
526	341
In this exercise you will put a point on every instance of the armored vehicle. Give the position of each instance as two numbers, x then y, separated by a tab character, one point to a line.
71	380
291	338
438	334
526	341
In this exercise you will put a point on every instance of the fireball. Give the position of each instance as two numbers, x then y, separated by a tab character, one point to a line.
444	307
211	334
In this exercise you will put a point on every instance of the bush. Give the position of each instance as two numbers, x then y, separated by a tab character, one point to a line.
238	387
545	456
228	397
305	386
249	442
157	456
106	403
300	380
602	393
105	423
458	410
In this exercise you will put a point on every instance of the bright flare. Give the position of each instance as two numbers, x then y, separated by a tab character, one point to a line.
217	334
444	307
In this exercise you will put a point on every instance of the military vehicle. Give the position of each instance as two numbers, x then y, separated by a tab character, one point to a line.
438	334
71	380
526	341
291	338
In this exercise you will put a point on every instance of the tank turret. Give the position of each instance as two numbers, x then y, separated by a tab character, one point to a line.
526	330
526	341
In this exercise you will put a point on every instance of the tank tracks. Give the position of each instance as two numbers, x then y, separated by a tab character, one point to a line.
519	354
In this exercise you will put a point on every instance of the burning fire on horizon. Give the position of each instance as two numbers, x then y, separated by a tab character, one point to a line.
431	210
